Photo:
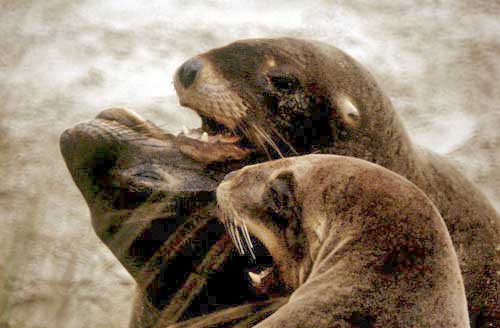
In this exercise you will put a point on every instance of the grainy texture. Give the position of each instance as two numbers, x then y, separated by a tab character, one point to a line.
334	106
360	245
61	63
153	207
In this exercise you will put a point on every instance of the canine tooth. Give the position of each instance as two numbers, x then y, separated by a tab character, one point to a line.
204	137
256	278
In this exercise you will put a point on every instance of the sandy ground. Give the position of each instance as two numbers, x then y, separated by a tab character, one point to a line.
61	62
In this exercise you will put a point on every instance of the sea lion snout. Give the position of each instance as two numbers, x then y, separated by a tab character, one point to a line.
188	71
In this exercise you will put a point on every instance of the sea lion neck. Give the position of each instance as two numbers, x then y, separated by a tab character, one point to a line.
365	123
384	142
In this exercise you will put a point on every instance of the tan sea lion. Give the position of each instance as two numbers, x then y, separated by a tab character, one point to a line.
360	245
280	97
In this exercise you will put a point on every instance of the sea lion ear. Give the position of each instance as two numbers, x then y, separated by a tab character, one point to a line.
348	112
281	193
286	211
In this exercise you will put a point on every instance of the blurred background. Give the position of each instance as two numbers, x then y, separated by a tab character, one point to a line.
61	62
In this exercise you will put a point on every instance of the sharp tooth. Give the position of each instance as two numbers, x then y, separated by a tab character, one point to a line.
204	137
256	278
185	130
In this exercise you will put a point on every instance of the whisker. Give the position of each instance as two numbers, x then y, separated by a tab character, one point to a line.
237	229
130	128
124	130
231	233
236	237
279	135
258	138
269	140
248	240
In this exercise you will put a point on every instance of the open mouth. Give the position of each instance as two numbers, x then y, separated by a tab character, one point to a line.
214	142
262	271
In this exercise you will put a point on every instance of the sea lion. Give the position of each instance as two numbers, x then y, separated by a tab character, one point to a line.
154	208
288	96
360	245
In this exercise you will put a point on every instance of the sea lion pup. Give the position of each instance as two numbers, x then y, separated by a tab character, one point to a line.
154	208
289	96
360	245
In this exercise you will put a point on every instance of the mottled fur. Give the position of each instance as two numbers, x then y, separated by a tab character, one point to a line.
331	104
359	244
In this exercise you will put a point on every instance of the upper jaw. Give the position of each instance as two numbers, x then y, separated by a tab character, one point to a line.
221	110
214	142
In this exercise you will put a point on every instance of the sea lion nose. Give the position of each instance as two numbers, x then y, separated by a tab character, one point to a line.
188	71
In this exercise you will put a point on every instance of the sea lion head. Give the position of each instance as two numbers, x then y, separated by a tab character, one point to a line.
289	96
125	164
358	245
262	204
154	208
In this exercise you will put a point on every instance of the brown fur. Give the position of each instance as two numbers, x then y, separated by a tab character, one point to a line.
360	245
153	207
335	106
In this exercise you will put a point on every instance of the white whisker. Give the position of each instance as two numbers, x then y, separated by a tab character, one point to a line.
238	238
233	236
268	139
248	240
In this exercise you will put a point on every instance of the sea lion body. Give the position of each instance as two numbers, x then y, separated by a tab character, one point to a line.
360	245
292	97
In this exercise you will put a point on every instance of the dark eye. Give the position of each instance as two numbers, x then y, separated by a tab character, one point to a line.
285	82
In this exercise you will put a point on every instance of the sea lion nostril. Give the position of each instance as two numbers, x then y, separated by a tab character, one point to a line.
188	71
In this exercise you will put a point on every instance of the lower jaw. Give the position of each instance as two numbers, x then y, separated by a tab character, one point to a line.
233	290
212	152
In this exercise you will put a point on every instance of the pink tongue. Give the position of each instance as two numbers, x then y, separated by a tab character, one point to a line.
208	152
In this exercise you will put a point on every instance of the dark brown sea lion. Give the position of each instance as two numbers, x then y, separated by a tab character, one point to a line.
360	245
154	208
289	96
